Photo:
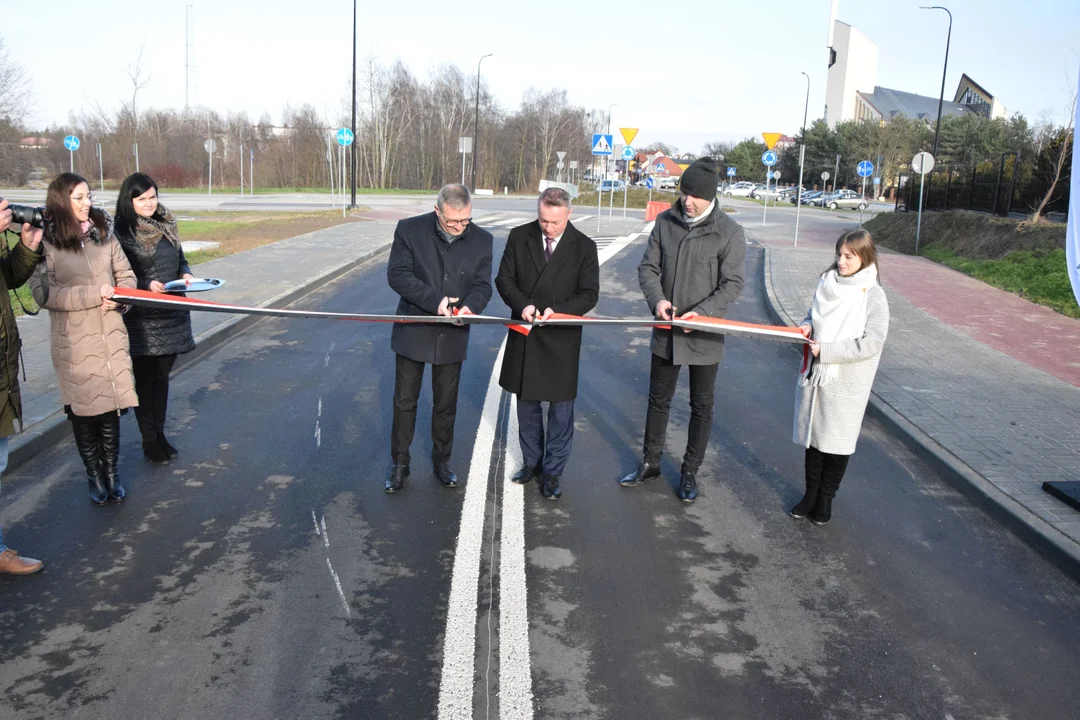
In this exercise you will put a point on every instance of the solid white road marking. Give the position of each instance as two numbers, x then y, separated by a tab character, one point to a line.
325	535
515	666
459	639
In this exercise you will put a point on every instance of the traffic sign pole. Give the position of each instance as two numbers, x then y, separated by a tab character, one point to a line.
922	164
862	200
798	188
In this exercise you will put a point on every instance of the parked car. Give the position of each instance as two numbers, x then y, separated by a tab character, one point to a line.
612	185
807	197
847	199
786	193
742	188
772	193
668	183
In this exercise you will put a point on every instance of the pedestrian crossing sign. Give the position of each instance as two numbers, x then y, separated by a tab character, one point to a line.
601	144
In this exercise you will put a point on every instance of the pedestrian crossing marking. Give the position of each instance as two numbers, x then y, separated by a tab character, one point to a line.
601	147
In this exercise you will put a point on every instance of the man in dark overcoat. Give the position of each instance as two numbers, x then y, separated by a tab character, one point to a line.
439	262
692	265
548	267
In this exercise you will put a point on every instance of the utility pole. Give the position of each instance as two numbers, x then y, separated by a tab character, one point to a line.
476	124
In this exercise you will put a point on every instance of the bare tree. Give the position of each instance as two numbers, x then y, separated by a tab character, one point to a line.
1061	153
15	93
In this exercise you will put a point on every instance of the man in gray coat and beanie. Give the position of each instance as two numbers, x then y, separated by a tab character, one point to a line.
693	265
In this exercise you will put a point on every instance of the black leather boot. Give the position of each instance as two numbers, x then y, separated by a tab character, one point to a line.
110	456
88	441
161	404
151	446
813	466
832	473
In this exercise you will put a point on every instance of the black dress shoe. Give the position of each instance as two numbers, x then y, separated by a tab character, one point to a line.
396	479
645	471
166	445
526	475
549	487
688	488
446	477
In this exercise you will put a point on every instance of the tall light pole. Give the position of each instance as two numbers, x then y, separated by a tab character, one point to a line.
941	97
476	124
607	158
352	127
802	159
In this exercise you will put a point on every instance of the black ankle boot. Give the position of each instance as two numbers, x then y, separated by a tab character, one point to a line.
110	456
154	452
645	471
166	446
88	442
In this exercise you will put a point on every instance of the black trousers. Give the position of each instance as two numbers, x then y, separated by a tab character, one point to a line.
825	470
408	379
663	378
152	387
551	451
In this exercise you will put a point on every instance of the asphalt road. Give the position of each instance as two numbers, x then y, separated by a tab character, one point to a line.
265	573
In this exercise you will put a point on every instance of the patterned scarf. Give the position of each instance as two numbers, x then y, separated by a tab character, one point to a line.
149	231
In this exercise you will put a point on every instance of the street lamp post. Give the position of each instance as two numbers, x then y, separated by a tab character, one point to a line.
802	159
941	96
352	153
476	124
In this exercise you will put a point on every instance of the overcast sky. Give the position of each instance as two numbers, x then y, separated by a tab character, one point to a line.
692	72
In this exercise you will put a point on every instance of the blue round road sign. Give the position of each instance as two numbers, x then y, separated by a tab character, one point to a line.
628	153
731	172
71	142
769	158
345	137
865	168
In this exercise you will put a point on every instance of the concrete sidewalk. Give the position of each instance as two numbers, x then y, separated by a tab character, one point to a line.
978	381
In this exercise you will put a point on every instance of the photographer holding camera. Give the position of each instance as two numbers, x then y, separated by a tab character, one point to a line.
16	267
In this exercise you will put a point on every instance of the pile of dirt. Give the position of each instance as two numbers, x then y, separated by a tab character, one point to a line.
968	234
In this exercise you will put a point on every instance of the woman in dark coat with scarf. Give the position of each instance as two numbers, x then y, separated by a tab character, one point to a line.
147	233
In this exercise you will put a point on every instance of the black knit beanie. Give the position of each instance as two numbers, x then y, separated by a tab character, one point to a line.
700	179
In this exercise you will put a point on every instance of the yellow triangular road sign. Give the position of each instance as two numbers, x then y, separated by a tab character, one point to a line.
771	139
629	134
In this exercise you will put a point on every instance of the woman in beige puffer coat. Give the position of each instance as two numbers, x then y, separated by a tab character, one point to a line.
83	262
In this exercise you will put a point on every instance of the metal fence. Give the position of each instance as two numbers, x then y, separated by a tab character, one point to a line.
985	187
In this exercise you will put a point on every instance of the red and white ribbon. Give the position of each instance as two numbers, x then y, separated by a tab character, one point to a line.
145	298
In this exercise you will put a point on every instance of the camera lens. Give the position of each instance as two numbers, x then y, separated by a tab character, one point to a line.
25	214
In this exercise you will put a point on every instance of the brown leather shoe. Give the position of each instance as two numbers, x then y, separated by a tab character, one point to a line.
11	563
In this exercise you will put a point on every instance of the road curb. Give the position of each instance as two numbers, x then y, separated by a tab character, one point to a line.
1024	524
47	432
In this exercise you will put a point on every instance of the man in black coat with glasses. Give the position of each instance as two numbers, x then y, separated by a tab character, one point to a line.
439	262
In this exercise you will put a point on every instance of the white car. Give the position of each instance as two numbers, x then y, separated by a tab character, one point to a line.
668	183
740	189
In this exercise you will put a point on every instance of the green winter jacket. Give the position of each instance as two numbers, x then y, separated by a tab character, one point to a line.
16	267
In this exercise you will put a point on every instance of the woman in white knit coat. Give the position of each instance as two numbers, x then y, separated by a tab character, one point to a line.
847	324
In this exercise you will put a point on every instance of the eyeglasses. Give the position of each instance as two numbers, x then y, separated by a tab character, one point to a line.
80	199
454	223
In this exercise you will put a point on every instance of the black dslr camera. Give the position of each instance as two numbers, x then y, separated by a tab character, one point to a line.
25	214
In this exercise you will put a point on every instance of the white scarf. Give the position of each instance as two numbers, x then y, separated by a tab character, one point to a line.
692	221
838	313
